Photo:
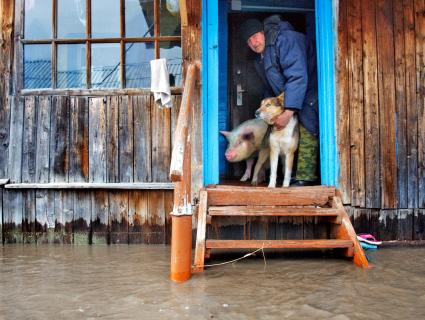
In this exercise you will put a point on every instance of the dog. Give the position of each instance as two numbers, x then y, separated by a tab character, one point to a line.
282	142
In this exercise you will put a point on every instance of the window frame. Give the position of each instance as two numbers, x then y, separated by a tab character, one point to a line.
157	39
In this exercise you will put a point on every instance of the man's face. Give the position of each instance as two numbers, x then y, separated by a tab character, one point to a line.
257	42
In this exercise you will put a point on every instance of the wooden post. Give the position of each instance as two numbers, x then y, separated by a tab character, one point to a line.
183	13
180	174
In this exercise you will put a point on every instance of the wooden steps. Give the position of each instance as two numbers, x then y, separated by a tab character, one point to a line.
278	244
235	201
271	211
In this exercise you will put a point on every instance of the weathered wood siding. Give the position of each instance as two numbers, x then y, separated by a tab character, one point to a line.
81	139
381	77
381	127
84	136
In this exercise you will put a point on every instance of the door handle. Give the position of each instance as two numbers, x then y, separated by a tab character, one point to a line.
239	94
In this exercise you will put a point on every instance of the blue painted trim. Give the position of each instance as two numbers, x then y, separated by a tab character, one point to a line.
210	90
326	38
223	112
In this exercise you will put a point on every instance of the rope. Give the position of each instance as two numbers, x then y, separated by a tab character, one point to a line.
236	260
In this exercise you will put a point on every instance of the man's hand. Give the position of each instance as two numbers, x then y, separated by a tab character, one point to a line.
282	120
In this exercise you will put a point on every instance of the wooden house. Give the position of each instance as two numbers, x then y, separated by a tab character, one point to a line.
85	151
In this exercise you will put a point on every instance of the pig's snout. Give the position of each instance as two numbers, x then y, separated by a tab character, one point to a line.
230	154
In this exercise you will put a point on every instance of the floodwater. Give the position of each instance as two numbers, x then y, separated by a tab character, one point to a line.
131	282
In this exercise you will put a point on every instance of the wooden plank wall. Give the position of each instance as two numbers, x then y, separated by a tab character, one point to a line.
88	139
381	103
115	138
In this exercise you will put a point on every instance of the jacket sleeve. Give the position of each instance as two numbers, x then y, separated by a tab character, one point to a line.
293	63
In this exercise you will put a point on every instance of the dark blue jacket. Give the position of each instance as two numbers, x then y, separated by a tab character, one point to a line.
288	64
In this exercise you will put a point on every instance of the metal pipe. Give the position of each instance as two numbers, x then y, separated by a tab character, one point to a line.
181	248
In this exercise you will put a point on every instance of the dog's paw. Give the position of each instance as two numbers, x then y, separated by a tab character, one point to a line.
254	182
272	185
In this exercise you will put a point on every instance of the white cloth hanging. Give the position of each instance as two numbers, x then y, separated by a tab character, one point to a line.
160	83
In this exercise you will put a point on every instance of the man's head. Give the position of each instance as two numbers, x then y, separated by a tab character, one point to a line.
253	35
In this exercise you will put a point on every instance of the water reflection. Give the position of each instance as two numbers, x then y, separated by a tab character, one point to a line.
71	19
71	70
137	64
131	282
105	18
139	18
105	70
37	66
38	19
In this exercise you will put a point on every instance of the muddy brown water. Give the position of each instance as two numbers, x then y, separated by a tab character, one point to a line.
131	282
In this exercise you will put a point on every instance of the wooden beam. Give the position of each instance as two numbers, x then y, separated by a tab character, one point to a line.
270	211
201	232
93	185
278	244
183	13
93	92
329	191
345	231
273	196
182	129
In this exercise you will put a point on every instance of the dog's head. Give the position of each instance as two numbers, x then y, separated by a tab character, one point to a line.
270	108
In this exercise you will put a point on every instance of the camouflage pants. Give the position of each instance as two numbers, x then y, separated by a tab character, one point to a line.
308	150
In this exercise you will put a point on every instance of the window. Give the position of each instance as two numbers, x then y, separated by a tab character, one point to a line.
99	43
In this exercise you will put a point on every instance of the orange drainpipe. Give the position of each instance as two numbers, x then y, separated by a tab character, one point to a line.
181	247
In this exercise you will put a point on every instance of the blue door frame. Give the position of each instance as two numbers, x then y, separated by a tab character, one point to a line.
326	37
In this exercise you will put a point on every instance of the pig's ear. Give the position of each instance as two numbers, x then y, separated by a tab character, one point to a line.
225	133
248	136
281	98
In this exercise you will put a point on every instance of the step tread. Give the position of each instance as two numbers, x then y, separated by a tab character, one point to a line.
324	189
267	197
272	211
284	244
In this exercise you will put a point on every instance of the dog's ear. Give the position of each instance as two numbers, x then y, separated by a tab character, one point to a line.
225	133
281	99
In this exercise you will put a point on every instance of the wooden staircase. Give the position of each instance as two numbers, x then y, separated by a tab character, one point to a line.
236	201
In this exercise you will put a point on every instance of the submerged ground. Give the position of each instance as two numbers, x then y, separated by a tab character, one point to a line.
131	282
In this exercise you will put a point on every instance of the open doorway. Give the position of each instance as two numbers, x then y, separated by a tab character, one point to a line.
245	89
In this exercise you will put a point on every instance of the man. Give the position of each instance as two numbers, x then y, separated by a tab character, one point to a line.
286	61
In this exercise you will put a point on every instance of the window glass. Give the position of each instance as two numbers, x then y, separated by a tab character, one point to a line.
139	18
71	18
137	64
171	50
71	67
169	18
37	66
38	19
105	18
105	69
143	32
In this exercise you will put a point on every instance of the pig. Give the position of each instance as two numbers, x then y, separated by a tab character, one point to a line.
245	142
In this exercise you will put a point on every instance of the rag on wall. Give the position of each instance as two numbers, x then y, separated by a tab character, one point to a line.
160	83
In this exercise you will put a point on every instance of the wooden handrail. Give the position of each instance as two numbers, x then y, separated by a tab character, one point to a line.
181	133
181	176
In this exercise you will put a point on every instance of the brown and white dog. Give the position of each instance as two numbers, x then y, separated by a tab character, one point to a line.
282	142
